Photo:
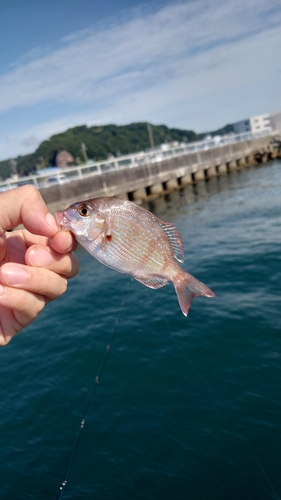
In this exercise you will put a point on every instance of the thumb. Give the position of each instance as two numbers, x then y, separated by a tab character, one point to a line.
25	205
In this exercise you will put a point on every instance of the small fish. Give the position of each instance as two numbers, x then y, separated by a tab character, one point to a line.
131	240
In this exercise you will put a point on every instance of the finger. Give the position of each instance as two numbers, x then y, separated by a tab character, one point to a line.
63	242
27	237
17	309
66	265
34	279
25	205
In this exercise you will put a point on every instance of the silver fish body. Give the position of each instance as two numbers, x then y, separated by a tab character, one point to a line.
131	240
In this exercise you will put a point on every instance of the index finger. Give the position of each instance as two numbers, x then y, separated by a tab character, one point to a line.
25	205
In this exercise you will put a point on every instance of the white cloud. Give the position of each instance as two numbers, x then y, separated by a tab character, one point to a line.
32	141
147	44
149	66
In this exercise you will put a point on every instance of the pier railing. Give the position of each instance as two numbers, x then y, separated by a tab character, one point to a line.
67	174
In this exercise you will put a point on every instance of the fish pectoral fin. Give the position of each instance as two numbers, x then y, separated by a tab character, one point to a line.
107	232
153	282
101	232
97	229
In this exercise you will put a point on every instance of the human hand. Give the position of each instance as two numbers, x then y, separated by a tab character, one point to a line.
35	262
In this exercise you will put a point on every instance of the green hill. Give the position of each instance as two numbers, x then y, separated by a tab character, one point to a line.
101	142
221	131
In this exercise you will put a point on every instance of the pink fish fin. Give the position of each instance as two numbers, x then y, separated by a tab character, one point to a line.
189	287
107	231
153	282
98	229
172	234
174	238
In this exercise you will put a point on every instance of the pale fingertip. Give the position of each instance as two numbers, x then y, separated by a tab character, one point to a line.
63	242
51	221
13	274
40	257
2	290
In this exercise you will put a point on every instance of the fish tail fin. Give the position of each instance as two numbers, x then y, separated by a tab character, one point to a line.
188	287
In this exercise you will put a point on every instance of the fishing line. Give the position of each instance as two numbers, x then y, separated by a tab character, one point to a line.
83	421
226	424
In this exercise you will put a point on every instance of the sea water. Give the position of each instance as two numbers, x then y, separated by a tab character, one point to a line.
186	408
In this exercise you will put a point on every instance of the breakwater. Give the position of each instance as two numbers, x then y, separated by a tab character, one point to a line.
153	179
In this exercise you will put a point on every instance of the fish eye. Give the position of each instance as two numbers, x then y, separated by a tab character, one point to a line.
83	210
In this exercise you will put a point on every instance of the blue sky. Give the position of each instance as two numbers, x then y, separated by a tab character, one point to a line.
194	64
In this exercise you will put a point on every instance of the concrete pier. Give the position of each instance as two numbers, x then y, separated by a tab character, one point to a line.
186	179
153	179
222	168
212	171
139	194
199	176
156	188
241	162
172	184
231	165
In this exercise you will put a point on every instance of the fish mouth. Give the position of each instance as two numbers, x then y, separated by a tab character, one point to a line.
62	221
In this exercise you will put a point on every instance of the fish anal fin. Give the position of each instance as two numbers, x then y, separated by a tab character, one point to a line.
153	282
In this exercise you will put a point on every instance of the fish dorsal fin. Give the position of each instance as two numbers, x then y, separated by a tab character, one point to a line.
172	234
153	282
174	238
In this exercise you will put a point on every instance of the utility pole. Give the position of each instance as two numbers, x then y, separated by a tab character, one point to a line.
13	167
150	134
84	152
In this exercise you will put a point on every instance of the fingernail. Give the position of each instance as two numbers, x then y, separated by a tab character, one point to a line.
14	275
51	221
40	257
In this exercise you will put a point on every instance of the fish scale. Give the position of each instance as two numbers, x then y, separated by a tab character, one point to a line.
130	239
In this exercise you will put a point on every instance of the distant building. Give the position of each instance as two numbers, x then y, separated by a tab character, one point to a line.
275	120
64	158
254	124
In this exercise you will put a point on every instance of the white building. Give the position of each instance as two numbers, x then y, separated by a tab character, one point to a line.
275	120
254	124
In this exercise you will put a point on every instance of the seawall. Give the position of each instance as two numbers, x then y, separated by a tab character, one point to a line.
150	180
